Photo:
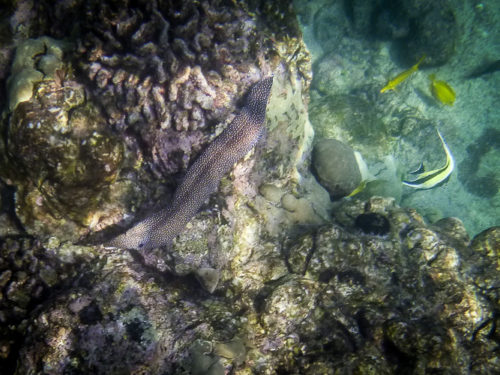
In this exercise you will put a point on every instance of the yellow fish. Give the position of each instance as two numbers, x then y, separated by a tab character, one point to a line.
359	189
442	91
427	180
401	77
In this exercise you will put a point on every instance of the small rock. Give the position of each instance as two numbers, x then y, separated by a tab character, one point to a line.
208	278
336	167
271	192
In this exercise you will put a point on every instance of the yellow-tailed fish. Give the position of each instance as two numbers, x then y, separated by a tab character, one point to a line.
427	180
401	77
442	91
359	189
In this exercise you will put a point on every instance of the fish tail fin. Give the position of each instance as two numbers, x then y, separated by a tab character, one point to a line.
415	67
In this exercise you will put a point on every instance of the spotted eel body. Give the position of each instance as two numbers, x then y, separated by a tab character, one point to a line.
203	177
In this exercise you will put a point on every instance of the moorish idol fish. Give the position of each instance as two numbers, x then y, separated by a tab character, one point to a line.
427	180
420	169
401	77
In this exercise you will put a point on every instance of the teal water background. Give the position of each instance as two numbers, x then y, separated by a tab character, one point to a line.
471	127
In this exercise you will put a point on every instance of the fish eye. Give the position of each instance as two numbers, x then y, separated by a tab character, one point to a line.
140	245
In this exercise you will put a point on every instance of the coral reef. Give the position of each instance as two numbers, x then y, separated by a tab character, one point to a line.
393	302
35	59
161	78
58	150
29	273
169	71
290	283
9	225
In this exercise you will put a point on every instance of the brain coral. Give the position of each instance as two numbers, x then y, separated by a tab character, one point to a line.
168	71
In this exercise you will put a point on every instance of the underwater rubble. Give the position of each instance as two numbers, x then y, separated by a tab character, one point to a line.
271	276
336	300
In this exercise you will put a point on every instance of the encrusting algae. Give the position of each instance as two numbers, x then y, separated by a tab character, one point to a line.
442	91
401	77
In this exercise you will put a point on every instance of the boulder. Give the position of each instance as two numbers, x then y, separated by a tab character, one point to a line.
336	167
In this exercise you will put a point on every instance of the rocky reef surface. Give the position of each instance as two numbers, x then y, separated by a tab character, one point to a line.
270	277
108	119
378	291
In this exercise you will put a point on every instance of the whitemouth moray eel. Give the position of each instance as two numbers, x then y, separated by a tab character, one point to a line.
203	177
